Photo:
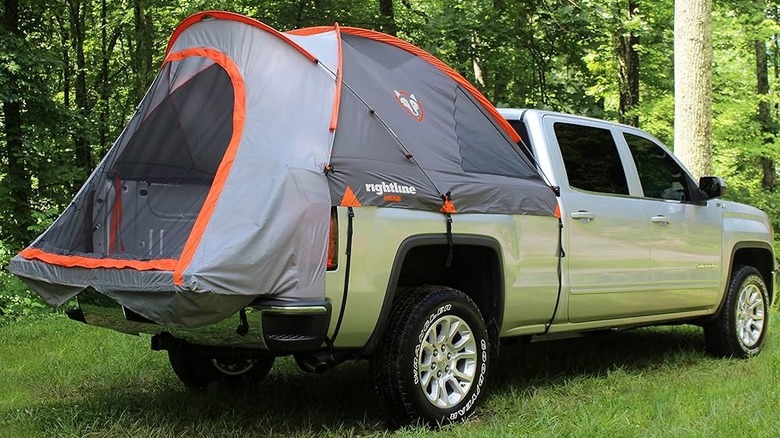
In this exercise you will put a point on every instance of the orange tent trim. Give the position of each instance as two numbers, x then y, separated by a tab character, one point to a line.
309	31
90	263
239	116
222	15
334	117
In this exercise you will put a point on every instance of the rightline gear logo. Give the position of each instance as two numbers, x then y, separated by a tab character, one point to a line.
391	192
383	187
410	104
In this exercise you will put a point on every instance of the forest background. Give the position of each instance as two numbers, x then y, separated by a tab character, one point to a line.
73	71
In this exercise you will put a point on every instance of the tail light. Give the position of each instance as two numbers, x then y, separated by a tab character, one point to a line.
333	240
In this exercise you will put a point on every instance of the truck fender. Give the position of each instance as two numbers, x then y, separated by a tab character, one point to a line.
493	321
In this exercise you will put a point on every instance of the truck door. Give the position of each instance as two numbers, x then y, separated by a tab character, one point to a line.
685	254
606	232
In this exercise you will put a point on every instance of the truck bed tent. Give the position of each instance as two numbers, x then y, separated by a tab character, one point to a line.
218	191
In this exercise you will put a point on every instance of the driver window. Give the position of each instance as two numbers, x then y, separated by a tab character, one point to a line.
660	175
591	158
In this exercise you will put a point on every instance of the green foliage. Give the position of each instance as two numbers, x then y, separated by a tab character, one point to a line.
738	141
518	54
17	302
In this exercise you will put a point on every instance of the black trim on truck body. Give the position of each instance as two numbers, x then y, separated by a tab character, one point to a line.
422	240
293	326
764	246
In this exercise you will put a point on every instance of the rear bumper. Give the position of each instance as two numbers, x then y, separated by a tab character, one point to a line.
294	327
280	327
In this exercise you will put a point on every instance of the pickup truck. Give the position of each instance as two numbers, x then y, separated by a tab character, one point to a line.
636	242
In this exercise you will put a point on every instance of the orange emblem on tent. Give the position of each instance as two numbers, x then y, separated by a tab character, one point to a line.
349	199
448	207
410	104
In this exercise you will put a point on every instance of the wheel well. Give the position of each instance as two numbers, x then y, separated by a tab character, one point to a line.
760	259
475	271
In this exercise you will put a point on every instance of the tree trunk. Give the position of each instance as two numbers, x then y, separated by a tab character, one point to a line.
628	70
501	76
693	84
15	208
476	64
764	114
775	43
144	47
105	88
388	17
78	25
66	71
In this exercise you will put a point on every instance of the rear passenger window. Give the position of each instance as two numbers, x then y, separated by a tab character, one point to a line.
591	159
660	175
525	142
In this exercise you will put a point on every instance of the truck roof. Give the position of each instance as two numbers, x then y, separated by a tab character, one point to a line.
521	113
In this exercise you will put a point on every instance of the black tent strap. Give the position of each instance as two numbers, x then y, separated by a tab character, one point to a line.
560	254
348	253
450	246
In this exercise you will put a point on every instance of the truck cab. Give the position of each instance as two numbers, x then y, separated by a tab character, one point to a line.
643	241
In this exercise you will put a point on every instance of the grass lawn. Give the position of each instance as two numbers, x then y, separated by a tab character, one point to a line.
61	378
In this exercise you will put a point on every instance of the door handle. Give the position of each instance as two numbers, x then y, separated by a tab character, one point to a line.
583	215
660	219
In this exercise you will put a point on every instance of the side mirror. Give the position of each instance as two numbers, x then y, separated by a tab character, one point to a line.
712	186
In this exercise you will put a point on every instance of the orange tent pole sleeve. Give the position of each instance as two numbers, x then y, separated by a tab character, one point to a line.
334	116
222	15
239	117
309	31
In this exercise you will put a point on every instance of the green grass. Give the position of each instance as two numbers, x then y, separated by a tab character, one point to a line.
59	378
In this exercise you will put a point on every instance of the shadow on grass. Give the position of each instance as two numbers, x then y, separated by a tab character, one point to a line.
285	403
594	355
341	402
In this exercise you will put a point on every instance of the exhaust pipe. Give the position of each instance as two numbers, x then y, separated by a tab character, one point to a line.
318	363
312	365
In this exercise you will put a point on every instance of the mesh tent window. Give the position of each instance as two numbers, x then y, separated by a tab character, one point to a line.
142	201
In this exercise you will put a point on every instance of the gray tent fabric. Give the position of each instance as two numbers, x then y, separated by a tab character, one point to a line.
457	145
218	192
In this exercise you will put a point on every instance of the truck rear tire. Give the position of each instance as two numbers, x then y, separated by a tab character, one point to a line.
741	325
433	360
197	372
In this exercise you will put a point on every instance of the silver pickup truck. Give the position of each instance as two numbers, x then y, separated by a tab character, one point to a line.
636	242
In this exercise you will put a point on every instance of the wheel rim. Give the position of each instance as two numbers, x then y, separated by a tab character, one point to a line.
447	361
750	314
234	368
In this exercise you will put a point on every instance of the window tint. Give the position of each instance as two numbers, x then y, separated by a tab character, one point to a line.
591	158
661	176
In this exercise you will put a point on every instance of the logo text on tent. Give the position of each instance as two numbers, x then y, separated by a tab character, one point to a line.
411	104
383	187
